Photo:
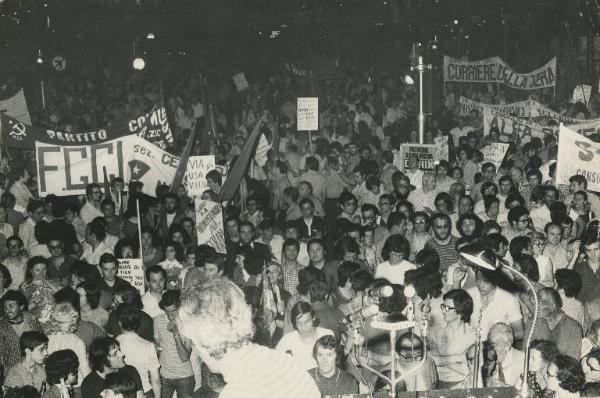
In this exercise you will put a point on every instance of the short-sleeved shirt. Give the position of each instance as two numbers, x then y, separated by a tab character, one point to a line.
93	384
340	383
503	307
171	366
141	354
301	350
19	376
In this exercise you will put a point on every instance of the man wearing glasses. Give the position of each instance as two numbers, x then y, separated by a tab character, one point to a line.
59	264
91	209
519	221
449	342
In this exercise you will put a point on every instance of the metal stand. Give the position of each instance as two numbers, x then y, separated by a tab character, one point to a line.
421	68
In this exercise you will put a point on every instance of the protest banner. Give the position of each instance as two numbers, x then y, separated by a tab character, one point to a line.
441	148
240	81
494	153
153	127
307	114
520	109
577	155
495	70
67	170
132	270
424	152
581	93
195	174
263	147
150	165
513	129
209	225
16	107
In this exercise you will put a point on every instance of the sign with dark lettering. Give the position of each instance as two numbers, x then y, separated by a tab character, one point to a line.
495	70
67	170
425	153
577	155
152	126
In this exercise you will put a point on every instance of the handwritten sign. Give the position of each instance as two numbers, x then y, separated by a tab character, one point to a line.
425	154
240	81
495	153
132	270
307	114
195	174
577	155
209	224
263	147
441	148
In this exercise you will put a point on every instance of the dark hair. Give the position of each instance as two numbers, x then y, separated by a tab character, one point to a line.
291	242
59	365
428	283
5	276
463	303
215	176
554	295
301	308
93	293
529	266
361	279
30	340
15	295
327	342
97	229
428	259
108	258
129	316
123	243
306	276
395	243
121	383
493	241
345	245
170	297
67	295
568	280
547	348
319	291
156	269
515	213
33	261
177	247
129	295
345	271
174	228
518	244
42	232
99	350
395	218
569	373
445	197
25	391
475	219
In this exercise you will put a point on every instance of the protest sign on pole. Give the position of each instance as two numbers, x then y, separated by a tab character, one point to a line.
307	110
16	107
132	270
240	81
441	148
424	152
150	165
209	225
577	155
582	93
260	157
520	109
494	153
495	70
67	170
195	173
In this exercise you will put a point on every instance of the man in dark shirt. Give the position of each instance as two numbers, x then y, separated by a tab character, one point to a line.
106	357
110	282
59	227
329	378
588	269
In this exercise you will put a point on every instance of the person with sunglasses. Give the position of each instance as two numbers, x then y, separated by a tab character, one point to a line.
450	340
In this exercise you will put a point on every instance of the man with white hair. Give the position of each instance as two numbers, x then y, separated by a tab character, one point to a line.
218	321
510	360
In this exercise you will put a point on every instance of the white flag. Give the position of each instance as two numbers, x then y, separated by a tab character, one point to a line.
149	164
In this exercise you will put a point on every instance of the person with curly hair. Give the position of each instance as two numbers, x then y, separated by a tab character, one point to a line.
61	374
38	289
565	377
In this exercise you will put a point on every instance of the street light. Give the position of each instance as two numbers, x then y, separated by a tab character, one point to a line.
488	260
421	68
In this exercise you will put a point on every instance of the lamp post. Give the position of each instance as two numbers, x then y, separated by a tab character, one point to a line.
421	68
488	260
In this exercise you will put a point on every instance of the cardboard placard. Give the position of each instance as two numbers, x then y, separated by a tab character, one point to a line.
307	111
209	225
195	174
132	270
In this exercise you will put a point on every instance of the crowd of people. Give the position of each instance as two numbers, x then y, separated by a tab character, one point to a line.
329	221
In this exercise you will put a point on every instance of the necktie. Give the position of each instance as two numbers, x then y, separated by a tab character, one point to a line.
501	377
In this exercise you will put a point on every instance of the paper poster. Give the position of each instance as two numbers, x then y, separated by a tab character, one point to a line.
495	153
424	152
307	114
150	165
582	93
209	225
261	151
195	174
132	270
240	81
577	155
441	148
495	70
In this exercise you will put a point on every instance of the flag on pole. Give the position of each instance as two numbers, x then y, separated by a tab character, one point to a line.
16	107
232	183
180	173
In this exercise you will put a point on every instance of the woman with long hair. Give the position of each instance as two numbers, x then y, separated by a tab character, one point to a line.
36	287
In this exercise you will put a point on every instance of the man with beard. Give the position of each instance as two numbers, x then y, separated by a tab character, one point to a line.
16	321
171	214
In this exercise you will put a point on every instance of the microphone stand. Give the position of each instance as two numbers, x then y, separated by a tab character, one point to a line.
477	355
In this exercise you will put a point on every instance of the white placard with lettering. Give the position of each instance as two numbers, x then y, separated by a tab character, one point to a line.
132	270
307	113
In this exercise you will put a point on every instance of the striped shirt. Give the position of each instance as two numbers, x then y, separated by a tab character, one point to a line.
257	371
171	366
448	254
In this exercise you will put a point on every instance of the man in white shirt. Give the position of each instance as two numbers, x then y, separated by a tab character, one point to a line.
95	244
91	209
510	361
423	198
35	209
156	277
541	216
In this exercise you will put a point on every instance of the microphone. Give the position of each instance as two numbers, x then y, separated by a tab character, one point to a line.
361	315
381	292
